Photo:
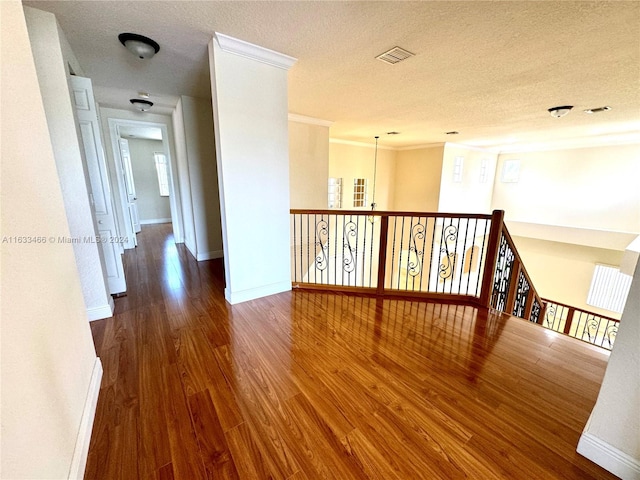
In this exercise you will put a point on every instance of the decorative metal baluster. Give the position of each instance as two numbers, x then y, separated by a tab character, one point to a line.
364	251
447	265
393	252
415	268
433	242
335	258
321	260
504	270
521	295
424	245
454	263
473	247
295	268
535	311
349	261
483	256
400	256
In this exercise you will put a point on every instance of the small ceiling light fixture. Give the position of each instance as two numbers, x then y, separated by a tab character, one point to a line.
597	110
144	94
393	133
142	105
139	45
452	132
558	112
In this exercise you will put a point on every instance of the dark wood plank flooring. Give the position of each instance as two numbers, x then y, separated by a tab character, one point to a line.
316	385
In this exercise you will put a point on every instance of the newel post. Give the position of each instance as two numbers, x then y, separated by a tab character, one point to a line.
497	220
382	254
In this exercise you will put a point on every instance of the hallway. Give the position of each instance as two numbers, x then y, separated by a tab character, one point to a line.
314	385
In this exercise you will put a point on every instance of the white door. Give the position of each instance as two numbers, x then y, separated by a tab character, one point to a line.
107	234
129	184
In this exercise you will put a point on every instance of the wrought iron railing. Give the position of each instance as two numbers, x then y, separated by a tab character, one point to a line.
582	324
463	258
512	290
392	253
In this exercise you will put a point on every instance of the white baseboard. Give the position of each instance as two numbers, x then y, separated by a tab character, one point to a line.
609	457
253	293
103	311
210	255
153	221
79	460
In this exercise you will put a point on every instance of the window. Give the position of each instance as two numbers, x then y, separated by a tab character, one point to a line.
457	169
335	192
359	192
162	169
609	288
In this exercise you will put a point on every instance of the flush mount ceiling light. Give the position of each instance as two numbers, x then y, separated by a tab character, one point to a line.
139	45
558	112
142	105
393	133
597	110
453	132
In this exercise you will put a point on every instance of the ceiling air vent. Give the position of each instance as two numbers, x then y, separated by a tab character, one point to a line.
395	55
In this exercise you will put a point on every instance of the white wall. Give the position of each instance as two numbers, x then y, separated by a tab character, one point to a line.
152	208
198	150
350	161
252	150
308	165
52	55
184	182
470	195
611	438
587	187
418	175
125	115
47	353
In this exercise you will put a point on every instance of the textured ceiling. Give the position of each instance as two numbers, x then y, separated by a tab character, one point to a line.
489	70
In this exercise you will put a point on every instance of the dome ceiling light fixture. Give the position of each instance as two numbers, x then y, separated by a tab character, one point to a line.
139	45
142	105
558	112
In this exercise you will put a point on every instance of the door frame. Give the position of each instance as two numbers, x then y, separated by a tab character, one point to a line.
174	197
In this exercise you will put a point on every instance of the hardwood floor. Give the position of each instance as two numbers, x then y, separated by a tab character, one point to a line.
312	385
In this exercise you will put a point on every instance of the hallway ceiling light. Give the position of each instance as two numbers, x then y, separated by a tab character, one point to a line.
139	45
144	95
142	105
558	112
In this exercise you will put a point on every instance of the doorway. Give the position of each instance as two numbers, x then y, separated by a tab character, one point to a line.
147	177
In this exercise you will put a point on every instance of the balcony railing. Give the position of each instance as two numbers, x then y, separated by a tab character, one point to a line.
582	324
461	258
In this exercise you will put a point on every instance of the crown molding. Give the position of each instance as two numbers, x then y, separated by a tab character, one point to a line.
420	147
294	117
361	144
254	52
610	140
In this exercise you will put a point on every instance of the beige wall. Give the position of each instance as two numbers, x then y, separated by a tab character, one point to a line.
417	185
470	195
563	271
587	187
308	165
197	119
151	206
348	162
47	352
52	55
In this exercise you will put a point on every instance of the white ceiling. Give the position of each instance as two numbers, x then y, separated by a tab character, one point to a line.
141	132
489	70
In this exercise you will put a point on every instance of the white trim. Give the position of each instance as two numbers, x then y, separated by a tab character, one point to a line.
253	293
154	221
360	144
609	457
572	143
81	450
210	255
254	52
294	117
104	311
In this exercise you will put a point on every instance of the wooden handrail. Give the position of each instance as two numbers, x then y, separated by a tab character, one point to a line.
589	312
388	213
